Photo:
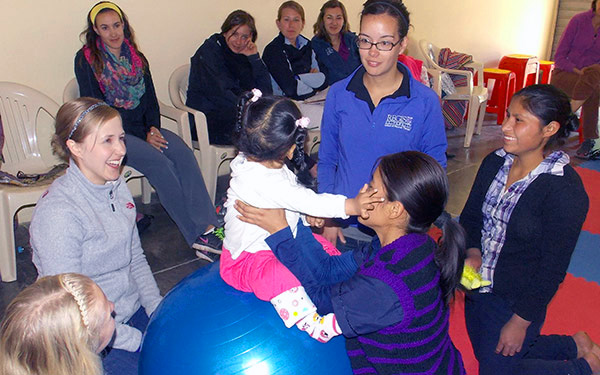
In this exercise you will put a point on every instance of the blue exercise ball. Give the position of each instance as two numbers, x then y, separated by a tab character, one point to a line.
204	326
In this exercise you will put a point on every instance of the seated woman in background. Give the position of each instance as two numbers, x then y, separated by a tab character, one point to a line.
85	223
110	67
578	74
290	57
334	43
56	326
225	66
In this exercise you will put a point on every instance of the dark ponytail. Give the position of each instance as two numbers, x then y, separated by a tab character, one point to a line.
450	257
419	182
266	129
549	103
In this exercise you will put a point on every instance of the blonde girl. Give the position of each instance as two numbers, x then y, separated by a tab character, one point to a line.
57	326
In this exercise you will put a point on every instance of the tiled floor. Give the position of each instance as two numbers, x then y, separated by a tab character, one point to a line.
171	259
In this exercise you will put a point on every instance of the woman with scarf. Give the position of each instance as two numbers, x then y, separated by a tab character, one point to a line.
226	65
111	68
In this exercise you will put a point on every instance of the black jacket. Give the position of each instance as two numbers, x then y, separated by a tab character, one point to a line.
540	237
286	62
218	76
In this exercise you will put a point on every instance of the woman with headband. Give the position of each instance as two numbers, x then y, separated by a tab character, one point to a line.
110	67
380	109
56	326
85	223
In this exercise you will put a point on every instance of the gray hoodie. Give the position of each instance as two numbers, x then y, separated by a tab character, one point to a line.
81	227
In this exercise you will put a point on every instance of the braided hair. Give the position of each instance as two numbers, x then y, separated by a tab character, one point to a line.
266	129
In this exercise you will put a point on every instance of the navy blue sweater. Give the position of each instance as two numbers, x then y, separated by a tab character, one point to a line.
331	63
286	62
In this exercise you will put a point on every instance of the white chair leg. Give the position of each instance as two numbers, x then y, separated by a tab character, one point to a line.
146	191
473	107
8	260
481	116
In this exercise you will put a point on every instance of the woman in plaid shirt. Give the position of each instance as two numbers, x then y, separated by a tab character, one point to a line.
523	218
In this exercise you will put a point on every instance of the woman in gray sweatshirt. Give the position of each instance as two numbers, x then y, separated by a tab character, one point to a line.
85	223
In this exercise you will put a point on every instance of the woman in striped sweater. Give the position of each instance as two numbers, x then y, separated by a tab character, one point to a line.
391	298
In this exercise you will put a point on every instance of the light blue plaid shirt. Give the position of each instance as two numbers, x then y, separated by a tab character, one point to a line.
499	204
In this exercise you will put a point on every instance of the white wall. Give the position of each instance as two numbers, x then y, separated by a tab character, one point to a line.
486	29
39	38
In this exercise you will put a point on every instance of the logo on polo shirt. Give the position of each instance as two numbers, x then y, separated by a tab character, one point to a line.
398	121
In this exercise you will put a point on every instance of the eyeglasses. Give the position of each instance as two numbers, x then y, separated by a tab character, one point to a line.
384	45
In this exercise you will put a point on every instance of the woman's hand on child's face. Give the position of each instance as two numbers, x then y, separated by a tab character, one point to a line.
270	219
363	202
316	222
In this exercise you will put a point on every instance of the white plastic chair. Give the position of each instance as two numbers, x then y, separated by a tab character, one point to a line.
176	116
211	156
475	94
28	118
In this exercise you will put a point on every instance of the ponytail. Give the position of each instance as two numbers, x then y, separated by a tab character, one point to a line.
266	129
420	183
300	167
450	257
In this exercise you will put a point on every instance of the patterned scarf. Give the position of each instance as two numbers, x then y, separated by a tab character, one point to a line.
122	79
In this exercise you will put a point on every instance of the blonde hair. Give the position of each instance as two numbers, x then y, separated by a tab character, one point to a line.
53	328
69	113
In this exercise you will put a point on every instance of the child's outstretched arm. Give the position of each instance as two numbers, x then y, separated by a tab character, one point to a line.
304	255
363	202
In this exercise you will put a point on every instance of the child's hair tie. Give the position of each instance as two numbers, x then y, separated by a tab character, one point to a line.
256	94
303	122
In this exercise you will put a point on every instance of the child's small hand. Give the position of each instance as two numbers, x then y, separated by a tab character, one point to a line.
316	222
363	202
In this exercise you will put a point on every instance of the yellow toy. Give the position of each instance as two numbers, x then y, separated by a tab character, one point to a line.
471	279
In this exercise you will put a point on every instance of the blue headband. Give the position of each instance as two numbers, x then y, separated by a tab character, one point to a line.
82	115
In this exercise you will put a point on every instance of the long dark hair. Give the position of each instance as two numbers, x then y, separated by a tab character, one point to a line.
548	103
90	37
266	129
419	182
319	26
393	8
